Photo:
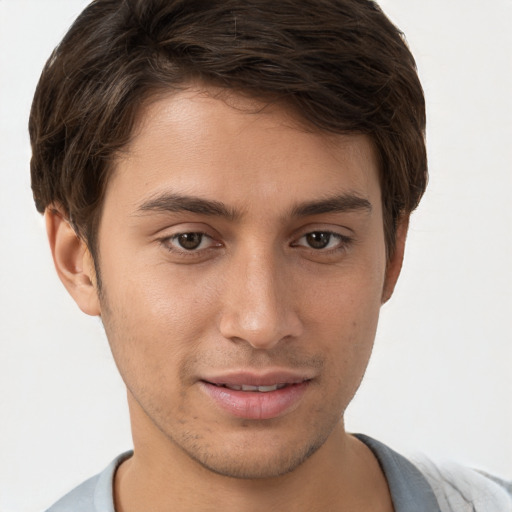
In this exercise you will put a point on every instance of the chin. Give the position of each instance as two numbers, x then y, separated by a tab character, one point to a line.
255	459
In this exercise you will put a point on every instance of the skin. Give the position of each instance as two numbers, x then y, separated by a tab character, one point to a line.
255	295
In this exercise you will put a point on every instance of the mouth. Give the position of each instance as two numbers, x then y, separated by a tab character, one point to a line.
256	397
249	387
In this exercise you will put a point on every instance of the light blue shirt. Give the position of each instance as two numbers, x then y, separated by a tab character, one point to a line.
412	489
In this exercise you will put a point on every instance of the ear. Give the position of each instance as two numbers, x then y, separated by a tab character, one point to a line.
73	261
394	264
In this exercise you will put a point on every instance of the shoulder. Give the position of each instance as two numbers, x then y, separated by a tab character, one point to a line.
458	488
80	499
419	483
93	495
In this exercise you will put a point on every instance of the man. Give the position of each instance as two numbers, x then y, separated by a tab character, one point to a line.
228	186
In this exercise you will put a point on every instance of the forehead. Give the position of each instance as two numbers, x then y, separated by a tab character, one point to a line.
232	148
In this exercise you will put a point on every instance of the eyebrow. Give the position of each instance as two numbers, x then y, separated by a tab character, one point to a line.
339	203
175	203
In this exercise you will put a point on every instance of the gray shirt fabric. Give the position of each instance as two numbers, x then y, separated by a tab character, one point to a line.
410	489
93	495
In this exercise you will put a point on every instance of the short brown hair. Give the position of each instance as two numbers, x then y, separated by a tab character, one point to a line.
341	65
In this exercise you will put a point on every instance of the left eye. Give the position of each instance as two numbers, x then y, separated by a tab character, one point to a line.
320	240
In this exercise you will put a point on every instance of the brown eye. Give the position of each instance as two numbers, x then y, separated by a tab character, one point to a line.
193	245
318	239
189	241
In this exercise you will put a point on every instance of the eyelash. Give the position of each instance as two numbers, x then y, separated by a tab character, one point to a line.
342	245
168	241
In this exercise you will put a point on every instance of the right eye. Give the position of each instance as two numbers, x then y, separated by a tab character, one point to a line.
191	241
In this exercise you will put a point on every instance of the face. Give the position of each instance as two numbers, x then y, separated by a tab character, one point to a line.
243	267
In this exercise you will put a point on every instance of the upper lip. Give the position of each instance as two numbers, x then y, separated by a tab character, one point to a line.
253	378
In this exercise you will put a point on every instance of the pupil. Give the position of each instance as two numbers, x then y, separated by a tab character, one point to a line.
318	240
190	241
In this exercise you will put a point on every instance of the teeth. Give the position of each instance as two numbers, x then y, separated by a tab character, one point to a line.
249	388
234	387
261	389
266	389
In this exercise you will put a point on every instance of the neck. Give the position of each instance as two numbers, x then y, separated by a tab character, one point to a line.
342	475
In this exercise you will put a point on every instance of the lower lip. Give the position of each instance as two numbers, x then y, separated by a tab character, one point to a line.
255	405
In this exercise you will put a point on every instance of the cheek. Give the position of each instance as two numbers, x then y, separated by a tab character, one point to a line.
154	319
348	301
342	317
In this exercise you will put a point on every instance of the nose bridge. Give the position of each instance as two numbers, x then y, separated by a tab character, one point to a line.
258	306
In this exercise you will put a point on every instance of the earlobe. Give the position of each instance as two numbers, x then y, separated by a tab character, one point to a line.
394	265
73	261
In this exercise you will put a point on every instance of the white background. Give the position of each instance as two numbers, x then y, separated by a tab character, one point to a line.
441	377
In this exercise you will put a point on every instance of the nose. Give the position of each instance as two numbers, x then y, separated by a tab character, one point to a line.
258	302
